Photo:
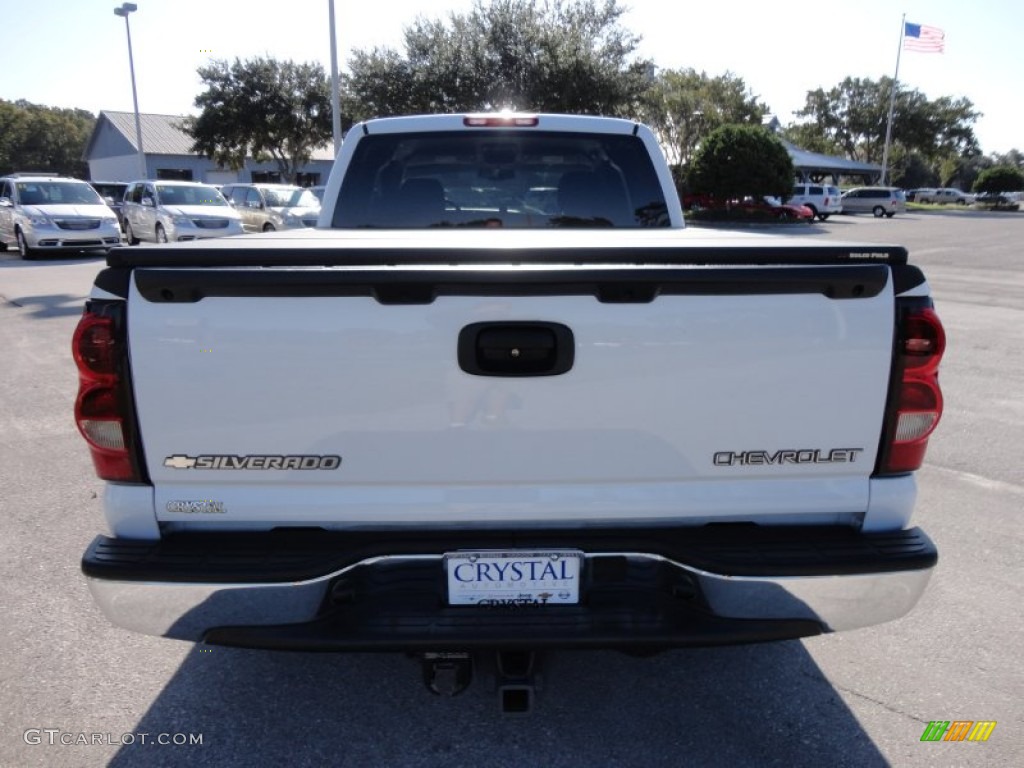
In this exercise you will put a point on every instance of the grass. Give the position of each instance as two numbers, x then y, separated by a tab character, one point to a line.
952	208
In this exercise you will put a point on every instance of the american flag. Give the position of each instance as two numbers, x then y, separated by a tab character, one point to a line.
918	37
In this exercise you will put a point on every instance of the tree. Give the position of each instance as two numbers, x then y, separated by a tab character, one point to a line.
1014	158
264	109
38	138
910	169
810	136
851	118
683	106
738	160
528	55
1001	178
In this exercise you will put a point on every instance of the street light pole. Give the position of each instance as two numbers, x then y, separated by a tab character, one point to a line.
124	10
335	96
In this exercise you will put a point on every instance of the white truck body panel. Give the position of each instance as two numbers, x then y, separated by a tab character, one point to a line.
632	431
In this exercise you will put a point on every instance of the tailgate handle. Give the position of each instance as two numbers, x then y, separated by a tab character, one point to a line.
516	349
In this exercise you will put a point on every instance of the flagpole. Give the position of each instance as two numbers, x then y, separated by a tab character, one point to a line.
892	102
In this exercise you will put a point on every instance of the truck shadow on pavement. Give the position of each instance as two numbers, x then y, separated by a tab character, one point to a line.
753	705
49	306
10	259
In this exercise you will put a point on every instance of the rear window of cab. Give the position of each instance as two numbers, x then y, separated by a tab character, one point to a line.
507	178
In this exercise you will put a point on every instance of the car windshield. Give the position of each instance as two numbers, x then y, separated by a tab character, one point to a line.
289	197
113	191
303	198
508	178
57	193
180	194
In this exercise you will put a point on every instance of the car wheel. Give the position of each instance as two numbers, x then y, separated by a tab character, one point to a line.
161	236
129	236
823	216
879	211
26	253
268	227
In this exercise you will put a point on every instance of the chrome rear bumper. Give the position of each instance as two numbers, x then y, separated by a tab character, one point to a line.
392	601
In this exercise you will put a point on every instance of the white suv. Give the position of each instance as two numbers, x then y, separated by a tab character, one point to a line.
822	199
48	214
172	211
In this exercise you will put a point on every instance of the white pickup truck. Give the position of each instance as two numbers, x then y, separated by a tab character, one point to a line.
944	195
501	400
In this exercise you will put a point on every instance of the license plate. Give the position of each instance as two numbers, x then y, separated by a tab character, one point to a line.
531	577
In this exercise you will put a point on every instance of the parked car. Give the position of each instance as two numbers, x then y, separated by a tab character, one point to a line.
173	211
762	207
822	199
696	201
773	208
266	207
943	196
913	194
49	214
112	193
880	201
318	192
996	201
546	432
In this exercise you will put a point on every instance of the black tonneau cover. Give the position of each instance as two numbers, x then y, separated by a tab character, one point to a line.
415	265
273	252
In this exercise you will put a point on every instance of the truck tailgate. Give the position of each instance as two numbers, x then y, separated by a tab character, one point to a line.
338	394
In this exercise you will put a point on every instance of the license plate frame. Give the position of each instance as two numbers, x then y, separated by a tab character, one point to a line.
513	578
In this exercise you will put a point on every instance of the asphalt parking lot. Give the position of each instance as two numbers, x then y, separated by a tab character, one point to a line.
861	698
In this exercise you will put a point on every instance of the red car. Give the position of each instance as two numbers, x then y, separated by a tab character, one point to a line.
763	207
773	208
696	201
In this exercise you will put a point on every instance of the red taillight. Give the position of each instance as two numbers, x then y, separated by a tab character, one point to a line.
101	412
923	341
95	348
500	121
918	402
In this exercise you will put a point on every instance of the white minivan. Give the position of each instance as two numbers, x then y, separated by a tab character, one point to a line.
878	201
43	214
174	211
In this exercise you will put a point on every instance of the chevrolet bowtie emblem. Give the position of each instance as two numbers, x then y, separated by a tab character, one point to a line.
179	462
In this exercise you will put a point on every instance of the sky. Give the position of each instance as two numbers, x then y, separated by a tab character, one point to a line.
74	53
